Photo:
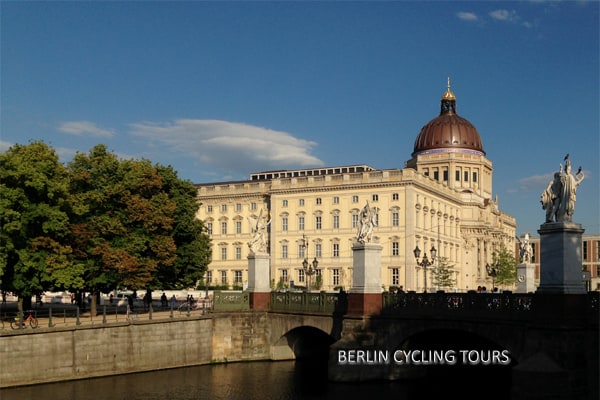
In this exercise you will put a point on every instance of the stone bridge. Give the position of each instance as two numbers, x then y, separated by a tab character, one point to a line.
545	345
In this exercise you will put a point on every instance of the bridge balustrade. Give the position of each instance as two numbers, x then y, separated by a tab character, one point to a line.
304	301
230	300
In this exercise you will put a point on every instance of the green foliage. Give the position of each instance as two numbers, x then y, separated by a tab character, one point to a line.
34	249
442	274
505	266
97	224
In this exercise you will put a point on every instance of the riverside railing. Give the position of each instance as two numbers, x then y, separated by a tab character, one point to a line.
321	302
231	300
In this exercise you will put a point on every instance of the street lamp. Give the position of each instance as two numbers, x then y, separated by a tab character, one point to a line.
493	272
425	262
309	268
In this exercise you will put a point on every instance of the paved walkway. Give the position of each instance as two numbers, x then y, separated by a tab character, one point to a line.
65	315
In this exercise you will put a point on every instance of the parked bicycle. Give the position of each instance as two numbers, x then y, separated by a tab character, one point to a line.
191	306
18	322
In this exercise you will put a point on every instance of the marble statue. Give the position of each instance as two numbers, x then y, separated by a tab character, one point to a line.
366	222
259	225
525	249
558	199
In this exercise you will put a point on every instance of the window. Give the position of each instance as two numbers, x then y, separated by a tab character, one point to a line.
457	176
284	223
466	176
336	249
375	197
445	176
301	202
223	253
598	251
208	209
223	277
223	228
318	200
395	276
301	223
336	222
436	175
238	253
318	221
209	228
301	275
237	277
395	218
318	250
238	226
284	275
253	206
395	248
336	200
223	207
208	277
284	251
474	176
395	196
354	220
284	203
301	251
426	172
238	207
335	274
585	250
355	199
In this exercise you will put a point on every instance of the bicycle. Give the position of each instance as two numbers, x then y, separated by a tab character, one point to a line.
18	323
184	307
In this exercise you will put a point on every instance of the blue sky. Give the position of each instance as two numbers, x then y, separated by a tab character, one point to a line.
220	90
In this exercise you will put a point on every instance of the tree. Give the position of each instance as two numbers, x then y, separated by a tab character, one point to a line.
504	266
442	274
34	250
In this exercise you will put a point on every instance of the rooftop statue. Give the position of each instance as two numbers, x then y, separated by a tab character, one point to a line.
258	226
366	222
558	199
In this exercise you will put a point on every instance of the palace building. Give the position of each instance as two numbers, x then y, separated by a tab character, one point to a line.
441	199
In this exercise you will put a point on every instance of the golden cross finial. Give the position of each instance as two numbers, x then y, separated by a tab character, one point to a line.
448	83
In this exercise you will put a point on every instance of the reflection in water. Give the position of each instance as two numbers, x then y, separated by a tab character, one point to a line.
280	380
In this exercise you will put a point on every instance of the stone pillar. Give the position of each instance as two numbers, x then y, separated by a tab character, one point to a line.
525	278
259	280
365	295
560	261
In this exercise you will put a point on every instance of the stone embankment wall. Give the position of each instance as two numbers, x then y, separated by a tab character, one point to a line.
58	354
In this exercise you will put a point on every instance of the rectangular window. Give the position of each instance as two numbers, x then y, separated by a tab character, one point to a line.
474	176
223	277
237	277
466	176
301	202
336	250
395	196
354	221
208	209
395	276
301	251
223	228
336	200
318	200
209	228
375	197
318	250
457	176
445	176
223	207
223	253
284	203
355	199
238	226
284	251
436	175
253	206
395	248
284	224
301	223
318	220
208	277
284	275
585	250
395	218
335	274
238	253
301	275
238	207
336	222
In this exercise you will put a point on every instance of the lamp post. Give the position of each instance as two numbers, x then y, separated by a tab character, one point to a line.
425	262
309	268
493	272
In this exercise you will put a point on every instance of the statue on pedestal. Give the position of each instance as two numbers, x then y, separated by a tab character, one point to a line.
525	249
558	199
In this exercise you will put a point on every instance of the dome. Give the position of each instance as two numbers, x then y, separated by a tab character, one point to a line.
448	132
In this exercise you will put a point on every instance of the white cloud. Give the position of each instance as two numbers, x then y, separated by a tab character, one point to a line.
4	146
504	15
231	146
467	16
84	128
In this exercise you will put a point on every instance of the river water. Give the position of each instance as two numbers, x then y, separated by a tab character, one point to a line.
268	380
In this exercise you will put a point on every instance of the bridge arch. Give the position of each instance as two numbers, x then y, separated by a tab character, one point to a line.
307	342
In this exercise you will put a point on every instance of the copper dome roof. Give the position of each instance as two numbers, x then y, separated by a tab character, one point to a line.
448	132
